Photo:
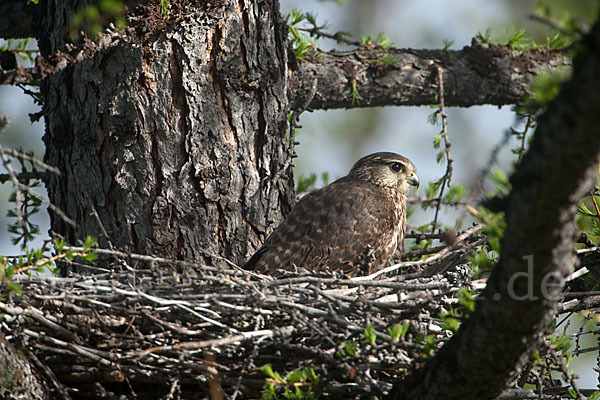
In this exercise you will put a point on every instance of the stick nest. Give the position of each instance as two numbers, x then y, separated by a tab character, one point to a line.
208	331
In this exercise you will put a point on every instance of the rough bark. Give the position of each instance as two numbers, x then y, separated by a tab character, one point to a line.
475	75
173	144
559	167
18	379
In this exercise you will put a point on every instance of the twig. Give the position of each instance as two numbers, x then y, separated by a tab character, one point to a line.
45	261
38	162
421	199
214	384
425	236
586	350
568	376
57	210
551	22
19	187
168	325
92	354
448	174
100	224
58	386
247	365
478	185
15	181
242	308
517	394
524	136
26	51
139	326
595	249
293	125
37	315
236	339
4	121
338	37
426	261
598	359
174	386
24	175
361	281
205	318
596	207
577	274
421	252
180	263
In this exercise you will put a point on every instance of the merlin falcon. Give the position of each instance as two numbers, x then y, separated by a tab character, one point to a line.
353	225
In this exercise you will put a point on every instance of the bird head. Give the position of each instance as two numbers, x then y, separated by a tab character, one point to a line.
386	169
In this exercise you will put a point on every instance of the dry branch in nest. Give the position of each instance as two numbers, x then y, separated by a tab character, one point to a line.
151	333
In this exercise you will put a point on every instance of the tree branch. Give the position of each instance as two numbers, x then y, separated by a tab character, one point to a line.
495	342
475	75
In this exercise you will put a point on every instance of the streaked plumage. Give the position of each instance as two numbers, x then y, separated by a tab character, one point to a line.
353	225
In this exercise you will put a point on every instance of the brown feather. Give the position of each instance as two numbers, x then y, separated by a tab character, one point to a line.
353	225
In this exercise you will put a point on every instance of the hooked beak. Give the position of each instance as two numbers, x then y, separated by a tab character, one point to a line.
413	180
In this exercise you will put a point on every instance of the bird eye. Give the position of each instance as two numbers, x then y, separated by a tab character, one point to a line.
396	167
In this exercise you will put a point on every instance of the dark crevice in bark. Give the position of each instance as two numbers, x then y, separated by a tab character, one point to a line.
245	35
280	34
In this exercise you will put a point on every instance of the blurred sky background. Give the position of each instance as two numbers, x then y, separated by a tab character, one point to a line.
332	141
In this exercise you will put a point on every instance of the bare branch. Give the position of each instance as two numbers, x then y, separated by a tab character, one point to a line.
24	175
12	175
475	75
444	133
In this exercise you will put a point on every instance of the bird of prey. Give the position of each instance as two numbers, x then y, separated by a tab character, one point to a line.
353	225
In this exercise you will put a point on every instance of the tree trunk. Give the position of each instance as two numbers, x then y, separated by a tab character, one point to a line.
173	142
18	379
560	167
